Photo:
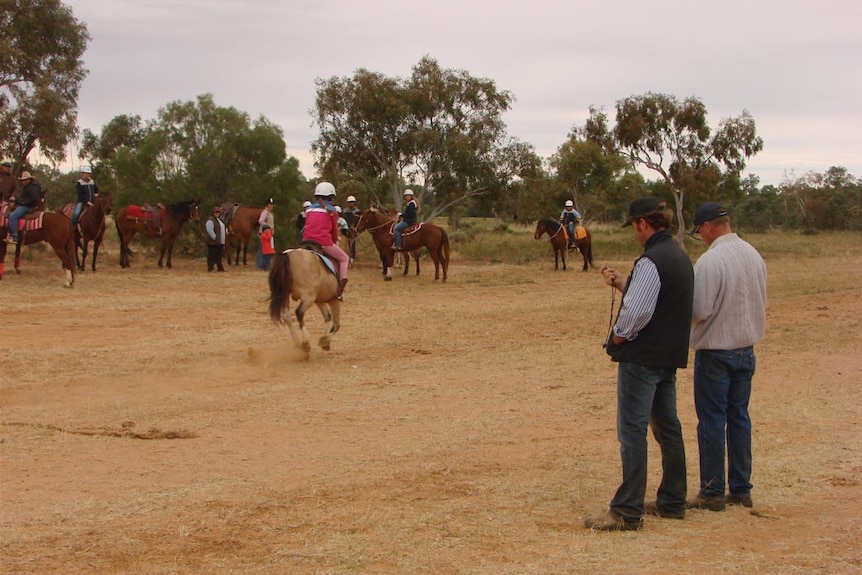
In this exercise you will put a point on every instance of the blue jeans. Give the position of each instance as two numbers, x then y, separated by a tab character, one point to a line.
646	397
396	234
77	213
16	215
722	389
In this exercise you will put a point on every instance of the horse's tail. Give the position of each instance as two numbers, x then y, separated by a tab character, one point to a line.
279	287
444	247
124	249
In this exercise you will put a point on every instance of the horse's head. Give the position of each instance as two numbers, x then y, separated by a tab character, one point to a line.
540	229
195	210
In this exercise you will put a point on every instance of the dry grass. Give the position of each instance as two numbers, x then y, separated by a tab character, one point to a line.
465	427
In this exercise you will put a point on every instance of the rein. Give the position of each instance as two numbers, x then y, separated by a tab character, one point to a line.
386	223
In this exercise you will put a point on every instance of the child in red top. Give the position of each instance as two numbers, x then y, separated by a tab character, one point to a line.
267	245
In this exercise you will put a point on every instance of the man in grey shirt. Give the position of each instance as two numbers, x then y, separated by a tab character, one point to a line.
729	317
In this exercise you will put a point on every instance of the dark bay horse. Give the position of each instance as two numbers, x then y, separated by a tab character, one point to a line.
91	226
240	221
380	225
132	219
38	226
583	241
559	239
301	275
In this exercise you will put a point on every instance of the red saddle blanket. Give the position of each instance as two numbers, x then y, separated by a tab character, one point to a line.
29	221
408	230
137	212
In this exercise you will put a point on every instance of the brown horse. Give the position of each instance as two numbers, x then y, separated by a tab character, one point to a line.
558	236
91	226
132	219
240	221
380	225
583	241
301	275
38	226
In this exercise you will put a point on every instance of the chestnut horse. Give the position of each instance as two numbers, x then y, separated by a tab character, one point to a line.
381	224
37	226
240	222
131	220
301	275
91	226
559	238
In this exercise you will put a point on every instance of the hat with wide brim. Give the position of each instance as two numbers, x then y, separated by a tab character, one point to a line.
25	176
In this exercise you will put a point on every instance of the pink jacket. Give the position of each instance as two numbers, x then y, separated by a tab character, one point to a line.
321	225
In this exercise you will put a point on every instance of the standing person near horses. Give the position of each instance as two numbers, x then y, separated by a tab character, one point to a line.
300	218
729	318
265	218
321	226
7	182
649	341
216	234
267	246
570	217
86	191
406	219
351	214
25	201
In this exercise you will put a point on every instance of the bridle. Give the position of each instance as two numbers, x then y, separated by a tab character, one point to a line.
386	223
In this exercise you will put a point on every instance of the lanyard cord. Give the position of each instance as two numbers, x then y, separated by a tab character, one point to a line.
611	317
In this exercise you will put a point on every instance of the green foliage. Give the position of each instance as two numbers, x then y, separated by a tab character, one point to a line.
40	75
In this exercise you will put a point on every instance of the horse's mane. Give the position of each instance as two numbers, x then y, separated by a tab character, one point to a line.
181	207
550	224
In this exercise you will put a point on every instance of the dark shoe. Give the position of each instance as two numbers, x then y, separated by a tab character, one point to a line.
12	241
396	248
744	500
710	503
610	522
340	292
651	508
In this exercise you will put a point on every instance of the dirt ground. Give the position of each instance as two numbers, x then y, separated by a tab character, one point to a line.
465	427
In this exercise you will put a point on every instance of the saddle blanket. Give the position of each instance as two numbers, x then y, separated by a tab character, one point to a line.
29	221
406	231
326	261
134	212
580	232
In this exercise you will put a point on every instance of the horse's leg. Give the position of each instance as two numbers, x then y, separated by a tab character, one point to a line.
244	244
564	255
556	257
85	244
406	263
325	339
416	259
303	332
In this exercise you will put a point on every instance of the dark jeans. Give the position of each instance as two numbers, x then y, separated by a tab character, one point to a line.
214	257
722	389
646	397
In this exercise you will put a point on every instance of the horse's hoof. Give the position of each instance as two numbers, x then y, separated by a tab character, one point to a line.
387	278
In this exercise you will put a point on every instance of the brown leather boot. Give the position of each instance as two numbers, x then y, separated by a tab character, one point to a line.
341	283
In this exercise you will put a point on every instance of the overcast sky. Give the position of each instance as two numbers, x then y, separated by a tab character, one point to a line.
795	65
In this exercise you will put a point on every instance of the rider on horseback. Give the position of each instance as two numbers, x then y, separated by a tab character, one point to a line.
86	191
407	218
570	217
321	226
27	200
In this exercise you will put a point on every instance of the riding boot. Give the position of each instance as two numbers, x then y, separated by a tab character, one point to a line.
341	283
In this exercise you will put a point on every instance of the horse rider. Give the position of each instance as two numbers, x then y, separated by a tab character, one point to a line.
406	219
7	181
28	199
321	226
343	228
300	218
570	217
86	191
352	213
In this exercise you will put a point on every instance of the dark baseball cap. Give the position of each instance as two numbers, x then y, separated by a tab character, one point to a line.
641	207
706	212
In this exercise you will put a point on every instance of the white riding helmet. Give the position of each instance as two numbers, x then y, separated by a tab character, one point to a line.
324	190
85	169
351	199
570	204
338	209
306	204
408	192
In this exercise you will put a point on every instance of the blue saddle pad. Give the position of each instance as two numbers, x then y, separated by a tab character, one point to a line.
326	261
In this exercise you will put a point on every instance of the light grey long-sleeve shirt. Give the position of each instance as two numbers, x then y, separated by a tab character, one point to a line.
729	296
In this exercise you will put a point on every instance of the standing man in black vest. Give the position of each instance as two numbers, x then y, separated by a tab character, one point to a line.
649	341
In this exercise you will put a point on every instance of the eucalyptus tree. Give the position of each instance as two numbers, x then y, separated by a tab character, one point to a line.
40	77
440	132
673	139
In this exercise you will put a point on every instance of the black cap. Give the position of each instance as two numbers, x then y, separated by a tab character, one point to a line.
641	207
706	212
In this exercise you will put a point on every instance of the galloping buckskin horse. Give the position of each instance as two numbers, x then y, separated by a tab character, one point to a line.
380	225
132	219
559	237
301	275
240	222
38	226
91	226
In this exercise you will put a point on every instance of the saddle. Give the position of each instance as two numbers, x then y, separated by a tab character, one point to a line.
317	250
409	230
32	220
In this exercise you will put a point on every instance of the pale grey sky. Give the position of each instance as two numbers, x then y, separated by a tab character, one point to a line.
796	65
